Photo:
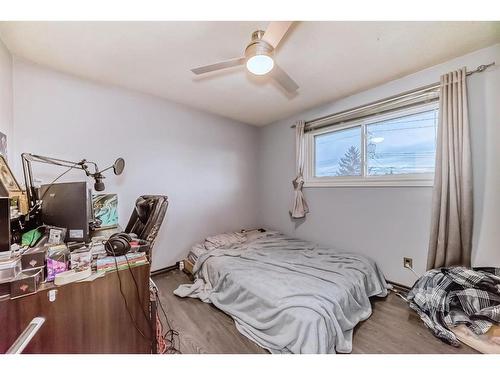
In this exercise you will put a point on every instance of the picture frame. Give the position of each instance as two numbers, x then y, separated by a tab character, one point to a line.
8	180
105	207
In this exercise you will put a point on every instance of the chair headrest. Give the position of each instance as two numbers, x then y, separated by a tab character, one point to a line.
142	207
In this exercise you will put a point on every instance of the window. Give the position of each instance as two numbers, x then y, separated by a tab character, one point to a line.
393	149
338	153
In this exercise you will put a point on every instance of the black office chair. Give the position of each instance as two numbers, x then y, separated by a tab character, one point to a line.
147	217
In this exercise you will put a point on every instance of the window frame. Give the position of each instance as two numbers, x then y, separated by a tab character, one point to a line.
411	179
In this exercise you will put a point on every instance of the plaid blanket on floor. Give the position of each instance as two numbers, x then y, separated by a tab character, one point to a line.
447	297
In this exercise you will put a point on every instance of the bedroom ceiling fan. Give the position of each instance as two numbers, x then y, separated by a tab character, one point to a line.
259	56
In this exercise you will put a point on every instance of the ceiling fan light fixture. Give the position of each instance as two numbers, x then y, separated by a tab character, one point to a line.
260	64
259	57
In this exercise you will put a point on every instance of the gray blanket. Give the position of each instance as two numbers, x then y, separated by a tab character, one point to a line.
289	295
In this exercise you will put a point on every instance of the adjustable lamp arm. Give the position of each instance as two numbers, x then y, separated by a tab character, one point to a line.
27	159
84	164
60	162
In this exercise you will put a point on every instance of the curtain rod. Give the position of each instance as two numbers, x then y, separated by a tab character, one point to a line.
479	69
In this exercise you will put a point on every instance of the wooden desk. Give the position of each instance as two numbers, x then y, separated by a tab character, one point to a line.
86	317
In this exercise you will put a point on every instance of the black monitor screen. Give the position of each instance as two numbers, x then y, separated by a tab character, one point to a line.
67	205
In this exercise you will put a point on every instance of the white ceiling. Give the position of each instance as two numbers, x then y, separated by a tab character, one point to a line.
328	60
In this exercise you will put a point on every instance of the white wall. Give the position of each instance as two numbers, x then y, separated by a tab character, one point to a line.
6	119
205	164
389	223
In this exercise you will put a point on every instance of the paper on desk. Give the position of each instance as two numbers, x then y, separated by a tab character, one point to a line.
94	276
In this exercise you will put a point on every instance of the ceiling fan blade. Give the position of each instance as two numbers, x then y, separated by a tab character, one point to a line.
219	66
275	31
283	79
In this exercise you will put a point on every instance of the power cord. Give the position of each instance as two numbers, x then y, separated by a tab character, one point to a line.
171	336
416	274
138	293
125	299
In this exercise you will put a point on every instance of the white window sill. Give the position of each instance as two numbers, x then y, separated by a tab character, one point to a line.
368	182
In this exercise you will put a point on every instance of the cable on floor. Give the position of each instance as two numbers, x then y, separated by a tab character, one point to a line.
170	341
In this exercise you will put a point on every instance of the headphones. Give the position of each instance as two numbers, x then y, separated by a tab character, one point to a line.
118	244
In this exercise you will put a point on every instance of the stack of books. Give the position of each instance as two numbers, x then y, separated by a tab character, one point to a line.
98	249
109	263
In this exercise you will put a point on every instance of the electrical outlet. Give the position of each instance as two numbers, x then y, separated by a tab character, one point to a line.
407	262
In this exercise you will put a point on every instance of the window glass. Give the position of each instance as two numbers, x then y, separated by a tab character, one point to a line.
338	153
403	145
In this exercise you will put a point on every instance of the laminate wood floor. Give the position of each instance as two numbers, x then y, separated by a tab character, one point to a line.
392	328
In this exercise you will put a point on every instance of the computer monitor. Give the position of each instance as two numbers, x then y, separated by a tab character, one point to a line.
68	205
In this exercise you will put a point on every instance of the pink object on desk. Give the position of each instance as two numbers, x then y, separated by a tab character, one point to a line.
54	267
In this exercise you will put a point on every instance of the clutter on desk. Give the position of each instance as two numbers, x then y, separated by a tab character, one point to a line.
110	263
57	260
9	268
33	257
31	237
81	258
18	206
72	275
138	246
25	283
56	235
118	244
98	249
5	255
24	269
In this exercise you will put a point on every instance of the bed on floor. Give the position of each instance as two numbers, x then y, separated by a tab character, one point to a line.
286	294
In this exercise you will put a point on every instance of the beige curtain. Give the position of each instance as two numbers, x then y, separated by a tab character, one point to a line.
300	208
451	225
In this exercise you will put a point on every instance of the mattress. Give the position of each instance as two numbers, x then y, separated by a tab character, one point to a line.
289	295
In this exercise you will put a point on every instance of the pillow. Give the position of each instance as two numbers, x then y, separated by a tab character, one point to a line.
198	249
224	240
254	235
